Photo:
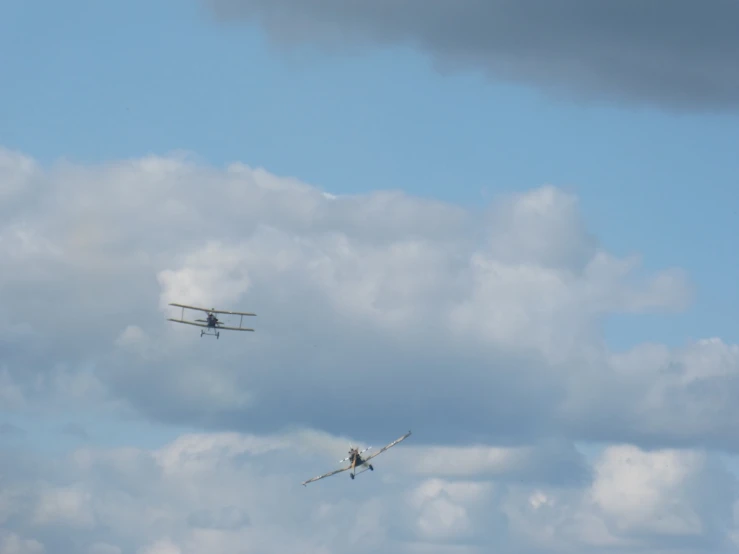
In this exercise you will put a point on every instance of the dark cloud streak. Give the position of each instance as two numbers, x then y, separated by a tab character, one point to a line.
679	55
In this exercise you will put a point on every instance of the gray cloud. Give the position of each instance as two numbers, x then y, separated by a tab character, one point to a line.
226	517
678	55
74	430
8	429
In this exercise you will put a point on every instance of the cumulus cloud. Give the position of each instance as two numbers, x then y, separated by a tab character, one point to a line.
221	492
679	55
376	314
10	543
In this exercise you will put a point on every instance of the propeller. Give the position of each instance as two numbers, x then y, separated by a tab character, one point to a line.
350	449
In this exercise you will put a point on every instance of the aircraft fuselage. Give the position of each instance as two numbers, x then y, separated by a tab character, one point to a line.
212	321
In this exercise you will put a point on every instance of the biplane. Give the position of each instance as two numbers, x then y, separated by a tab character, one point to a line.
356	460
212	325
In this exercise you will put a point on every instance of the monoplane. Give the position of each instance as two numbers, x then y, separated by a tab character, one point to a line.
212	325
356	460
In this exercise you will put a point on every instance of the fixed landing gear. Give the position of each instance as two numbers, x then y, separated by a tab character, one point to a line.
370	467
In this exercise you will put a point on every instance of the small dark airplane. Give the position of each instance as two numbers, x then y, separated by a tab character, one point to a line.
212	325
356	460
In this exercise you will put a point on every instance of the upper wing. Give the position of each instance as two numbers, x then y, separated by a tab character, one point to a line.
189	307
208	310
329	474
381	450
231	313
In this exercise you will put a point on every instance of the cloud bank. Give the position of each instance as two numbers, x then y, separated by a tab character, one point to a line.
678	55
227	492
376	314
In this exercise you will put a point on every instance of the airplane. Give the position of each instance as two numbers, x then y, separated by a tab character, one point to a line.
212	324
356	460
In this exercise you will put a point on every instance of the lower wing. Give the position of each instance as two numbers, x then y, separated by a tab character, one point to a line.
381	450
329	474
187	322
234	328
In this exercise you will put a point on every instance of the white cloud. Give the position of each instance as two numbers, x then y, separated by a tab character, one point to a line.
66	505
103	548
377	314
161	547
644	491
10	543
220	492
16	174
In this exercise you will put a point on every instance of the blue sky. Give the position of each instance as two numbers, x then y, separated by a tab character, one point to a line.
93	82
125	80
129	79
